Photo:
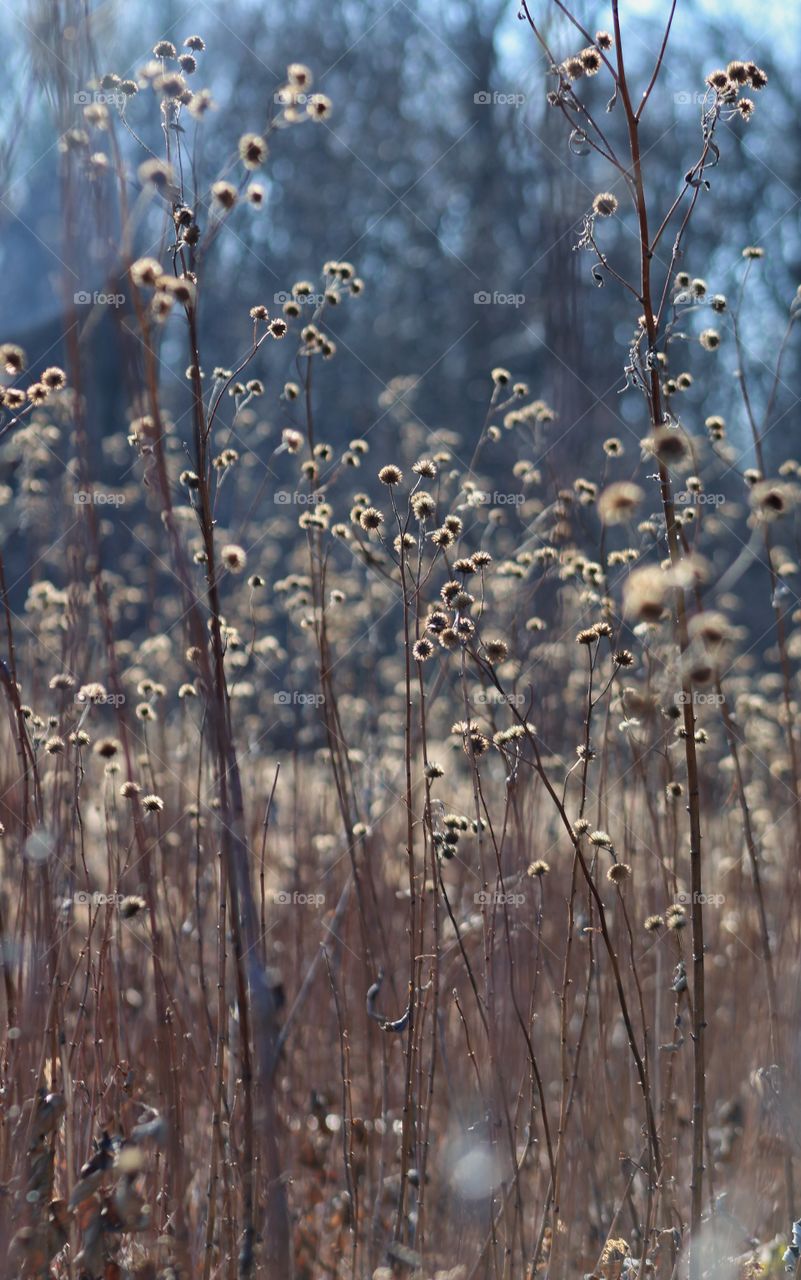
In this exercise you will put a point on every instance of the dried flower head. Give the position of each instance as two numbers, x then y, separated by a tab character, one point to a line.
234	557
619	502
371	519
496	651
252	150
605	204
224	194
618	873
131	906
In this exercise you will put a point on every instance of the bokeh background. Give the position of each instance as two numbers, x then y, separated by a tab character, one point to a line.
441	173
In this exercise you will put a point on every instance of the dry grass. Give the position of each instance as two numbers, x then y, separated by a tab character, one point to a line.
407	884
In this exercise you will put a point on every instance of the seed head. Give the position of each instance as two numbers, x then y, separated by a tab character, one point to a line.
224	194
390	475
601	839
618	872
425	467
319	107
645	594
669	446
771	501
737	72
371	519
54	378
618	503
495	651
676	917
718	80
299	75
252	150
605	204
423	506
234	557
131	906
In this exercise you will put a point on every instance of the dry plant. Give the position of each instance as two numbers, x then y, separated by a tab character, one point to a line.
400	857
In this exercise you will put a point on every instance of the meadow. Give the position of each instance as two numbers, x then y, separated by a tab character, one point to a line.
400	829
